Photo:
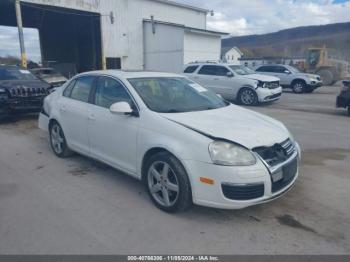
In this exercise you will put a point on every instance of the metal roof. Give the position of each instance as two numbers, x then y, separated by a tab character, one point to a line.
170	2
191	29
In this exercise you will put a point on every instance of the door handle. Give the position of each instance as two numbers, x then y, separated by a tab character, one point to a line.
92	117
63	109
216	79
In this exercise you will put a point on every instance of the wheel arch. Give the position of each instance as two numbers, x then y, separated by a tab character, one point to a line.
298	80
155	150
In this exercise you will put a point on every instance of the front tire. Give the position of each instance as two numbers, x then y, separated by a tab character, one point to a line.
247	97
299	87
349	111
58	141
167	183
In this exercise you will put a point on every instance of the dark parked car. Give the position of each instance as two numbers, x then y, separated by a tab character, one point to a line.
50	76
20	91
343	100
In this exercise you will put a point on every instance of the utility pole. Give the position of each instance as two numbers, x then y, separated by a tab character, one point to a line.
20	33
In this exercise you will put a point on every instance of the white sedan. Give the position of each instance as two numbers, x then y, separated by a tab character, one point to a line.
184	142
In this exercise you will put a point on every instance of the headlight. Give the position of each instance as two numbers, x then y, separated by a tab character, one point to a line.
3	94
261	84
229	154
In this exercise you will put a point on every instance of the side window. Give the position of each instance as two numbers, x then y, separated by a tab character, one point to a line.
263	69
213	70
82	88
279	69
68	89
190	69
110	91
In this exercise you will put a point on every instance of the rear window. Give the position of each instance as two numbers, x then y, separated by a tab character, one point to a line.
190	69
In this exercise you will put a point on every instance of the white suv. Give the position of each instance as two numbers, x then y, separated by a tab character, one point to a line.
292	78
235	82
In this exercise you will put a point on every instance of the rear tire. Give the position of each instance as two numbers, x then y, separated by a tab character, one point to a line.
167	183
299	87
58	141
247	97
327	77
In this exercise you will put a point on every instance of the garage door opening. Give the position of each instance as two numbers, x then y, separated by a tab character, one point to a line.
70	40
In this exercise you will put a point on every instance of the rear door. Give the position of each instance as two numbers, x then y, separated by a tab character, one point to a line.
215	77
74	106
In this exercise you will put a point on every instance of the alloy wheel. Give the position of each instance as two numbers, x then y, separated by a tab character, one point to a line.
163	184
247	97
57	139
298	88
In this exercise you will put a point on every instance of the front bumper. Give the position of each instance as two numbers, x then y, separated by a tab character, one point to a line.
315	84
268	95
25	104
255	178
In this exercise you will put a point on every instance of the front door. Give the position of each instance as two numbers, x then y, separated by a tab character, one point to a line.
113	137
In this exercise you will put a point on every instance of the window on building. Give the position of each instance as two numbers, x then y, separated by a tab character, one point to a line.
113	63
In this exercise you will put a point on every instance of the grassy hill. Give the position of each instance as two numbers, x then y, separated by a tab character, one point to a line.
295	41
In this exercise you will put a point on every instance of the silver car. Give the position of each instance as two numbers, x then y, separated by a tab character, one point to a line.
292	78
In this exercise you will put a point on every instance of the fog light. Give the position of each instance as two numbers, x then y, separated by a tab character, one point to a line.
277	176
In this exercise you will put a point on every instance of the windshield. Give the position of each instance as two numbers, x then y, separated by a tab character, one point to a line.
16	74
175	95
242	70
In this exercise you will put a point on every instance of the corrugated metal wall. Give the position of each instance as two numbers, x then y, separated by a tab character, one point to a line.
164	48
124	38
201	46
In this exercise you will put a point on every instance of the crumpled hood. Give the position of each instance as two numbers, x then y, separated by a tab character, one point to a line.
263	78
55	79
9	84
236	124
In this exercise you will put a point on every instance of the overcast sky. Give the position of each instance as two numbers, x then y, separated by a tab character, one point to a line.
237	17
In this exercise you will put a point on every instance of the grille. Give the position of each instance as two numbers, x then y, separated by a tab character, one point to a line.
289	172
272	85
273	96
243	192
28	92
276	154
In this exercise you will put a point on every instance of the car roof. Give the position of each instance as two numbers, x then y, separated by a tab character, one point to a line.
131	74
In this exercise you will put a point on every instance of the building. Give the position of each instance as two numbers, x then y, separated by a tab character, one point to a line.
231	55
84	35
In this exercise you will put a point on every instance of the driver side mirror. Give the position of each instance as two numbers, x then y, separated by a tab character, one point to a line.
122	108
230	74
